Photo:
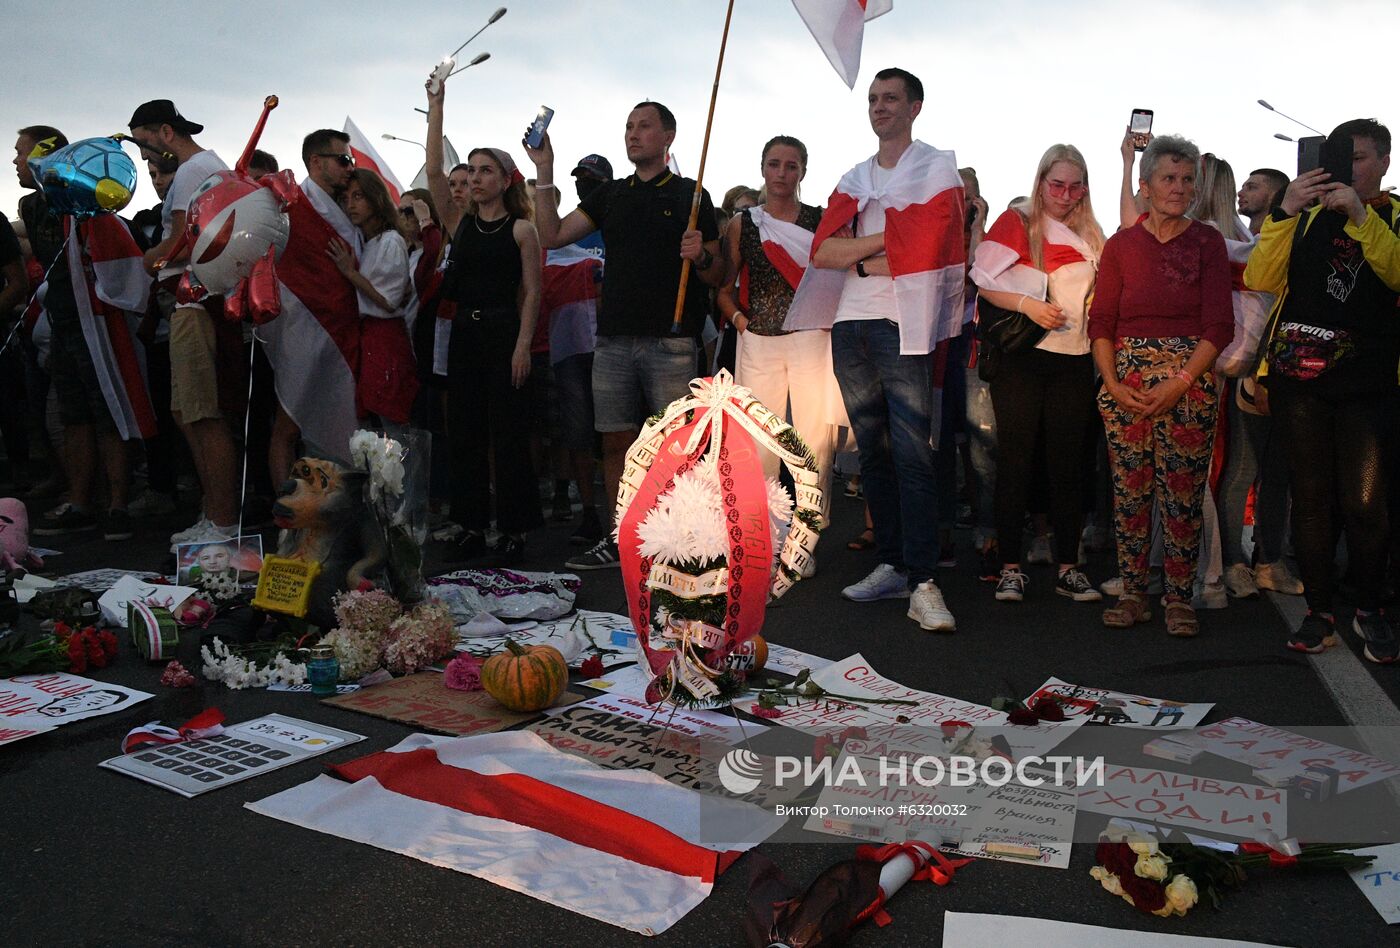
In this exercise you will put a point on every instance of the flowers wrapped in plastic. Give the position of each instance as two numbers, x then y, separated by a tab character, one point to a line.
705	539
398	495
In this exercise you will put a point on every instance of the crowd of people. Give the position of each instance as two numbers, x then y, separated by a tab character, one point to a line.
1209	386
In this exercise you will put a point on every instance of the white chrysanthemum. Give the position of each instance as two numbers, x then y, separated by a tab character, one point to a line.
687	524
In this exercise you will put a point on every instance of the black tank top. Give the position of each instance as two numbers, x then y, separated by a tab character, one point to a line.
484	266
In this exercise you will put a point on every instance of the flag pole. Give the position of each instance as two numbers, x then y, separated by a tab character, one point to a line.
700	175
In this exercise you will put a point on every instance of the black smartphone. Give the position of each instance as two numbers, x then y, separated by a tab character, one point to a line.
1141	126
537	127
1336	158
1310	153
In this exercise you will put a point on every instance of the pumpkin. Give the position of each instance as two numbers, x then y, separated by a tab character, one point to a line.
750	657
525	678
760	653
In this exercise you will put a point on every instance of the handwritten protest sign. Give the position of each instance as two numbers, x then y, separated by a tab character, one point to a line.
130	589
1380	881
790	661
622	743
703	724
424	701
1197	804
284	585
1101	706
33	704
980	820
1262	746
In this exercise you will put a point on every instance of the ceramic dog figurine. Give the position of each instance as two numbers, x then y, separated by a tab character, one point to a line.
323	517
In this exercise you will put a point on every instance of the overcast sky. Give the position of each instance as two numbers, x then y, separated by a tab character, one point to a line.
1004	80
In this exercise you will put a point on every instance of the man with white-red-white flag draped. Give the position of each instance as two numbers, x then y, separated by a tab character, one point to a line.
314	344
894	224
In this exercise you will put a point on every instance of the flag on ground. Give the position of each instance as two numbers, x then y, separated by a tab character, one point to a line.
110	279
838	26
622	846
366	157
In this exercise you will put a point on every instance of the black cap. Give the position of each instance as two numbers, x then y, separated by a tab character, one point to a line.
595	166
163	112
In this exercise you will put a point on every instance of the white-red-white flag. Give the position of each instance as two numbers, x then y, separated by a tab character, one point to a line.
923	199
110	282
314	344
838	26
366	157
569	300
622	846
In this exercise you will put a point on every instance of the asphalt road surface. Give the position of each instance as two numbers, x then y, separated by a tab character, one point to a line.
92	857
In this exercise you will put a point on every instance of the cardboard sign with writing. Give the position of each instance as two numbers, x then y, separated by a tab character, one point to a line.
33	704
284	585
1197	804
1262	746
710	725
423	701
622	743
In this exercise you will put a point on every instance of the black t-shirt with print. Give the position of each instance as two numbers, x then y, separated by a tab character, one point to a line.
1331	286
642	223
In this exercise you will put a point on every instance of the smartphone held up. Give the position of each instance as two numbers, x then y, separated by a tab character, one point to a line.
1140	126
535	136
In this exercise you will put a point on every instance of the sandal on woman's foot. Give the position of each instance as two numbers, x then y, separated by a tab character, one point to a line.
1127	612
1181	620
866	541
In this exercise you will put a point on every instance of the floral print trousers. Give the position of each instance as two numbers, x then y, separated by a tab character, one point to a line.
1160	462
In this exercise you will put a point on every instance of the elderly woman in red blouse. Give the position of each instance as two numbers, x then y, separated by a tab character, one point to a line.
1160	316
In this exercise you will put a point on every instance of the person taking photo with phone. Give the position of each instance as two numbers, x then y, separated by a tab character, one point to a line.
1330	254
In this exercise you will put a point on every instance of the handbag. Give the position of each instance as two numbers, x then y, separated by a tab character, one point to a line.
1007	329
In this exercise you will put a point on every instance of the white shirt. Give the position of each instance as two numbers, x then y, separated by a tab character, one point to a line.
870	297
193	172
410	309
384	263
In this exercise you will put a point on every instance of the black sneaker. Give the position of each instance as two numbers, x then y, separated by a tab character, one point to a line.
602	555
1011	586
947	556
1381	645
589	531
562	509
1076	585
989	564
471	545
117	526
507	550
65	519
1317	633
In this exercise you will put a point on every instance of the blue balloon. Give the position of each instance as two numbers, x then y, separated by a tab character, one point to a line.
86	178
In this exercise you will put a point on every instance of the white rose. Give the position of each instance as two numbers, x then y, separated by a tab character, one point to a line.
1142	845
1181	895
1151	867
1107	879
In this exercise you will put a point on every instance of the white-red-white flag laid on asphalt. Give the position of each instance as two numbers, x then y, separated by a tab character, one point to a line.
838	26
366	157
622	846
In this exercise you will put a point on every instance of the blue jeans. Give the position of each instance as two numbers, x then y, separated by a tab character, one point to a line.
889	400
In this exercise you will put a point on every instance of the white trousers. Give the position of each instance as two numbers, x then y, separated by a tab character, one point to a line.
792	376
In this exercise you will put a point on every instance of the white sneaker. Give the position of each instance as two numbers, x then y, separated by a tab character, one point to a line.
927	608
1239	582
210	534
884	582
1041	554
1278	578
190	534
1112	587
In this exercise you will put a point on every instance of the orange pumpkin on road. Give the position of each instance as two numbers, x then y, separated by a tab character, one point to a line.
525	678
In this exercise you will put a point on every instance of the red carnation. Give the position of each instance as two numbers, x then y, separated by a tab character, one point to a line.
109	642
592	667
1022	716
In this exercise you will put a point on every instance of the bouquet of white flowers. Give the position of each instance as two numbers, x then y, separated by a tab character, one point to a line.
398	473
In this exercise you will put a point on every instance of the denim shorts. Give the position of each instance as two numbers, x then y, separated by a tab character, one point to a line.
573	402
637	376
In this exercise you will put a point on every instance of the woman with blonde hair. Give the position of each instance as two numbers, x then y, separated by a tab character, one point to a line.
1035	272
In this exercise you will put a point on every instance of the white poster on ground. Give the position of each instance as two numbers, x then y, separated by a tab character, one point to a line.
33	704
975	930
1380	881
1101	706
707	724
1196	804
1264	747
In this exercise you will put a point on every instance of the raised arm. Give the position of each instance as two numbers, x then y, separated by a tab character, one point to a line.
450	213
1127	196
553	232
